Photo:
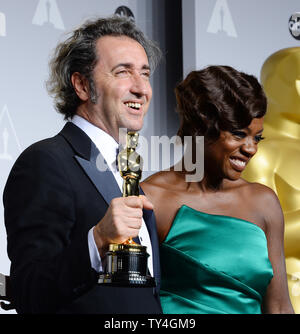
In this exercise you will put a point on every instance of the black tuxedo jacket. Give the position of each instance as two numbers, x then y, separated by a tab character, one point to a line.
53	196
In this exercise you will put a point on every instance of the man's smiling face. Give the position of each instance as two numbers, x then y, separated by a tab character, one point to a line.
121	80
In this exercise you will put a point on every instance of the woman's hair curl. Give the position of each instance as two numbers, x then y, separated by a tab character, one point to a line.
218	98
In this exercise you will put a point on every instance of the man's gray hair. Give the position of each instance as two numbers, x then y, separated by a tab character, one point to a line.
78	54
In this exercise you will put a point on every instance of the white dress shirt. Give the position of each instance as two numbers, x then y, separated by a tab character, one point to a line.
108	148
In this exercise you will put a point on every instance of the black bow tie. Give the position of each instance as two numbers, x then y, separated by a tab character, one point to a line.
117	160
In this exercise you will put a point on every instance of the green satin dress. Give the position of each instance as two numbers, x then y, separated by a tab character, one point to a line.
213	264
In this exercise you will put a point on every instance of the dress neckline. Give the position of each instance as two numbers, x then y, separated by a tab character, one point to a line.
215	215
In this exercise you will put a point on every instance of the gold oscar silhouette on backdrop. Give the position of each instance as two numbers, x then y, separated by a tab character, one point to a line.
277	162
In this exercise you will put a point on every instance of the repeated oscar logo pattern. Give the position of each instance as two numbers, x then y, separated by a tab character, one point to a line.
47	12
221	20
2	25
10	146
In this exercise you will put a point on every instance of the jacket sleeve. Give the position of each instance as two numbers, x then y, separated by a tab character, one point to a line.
49	267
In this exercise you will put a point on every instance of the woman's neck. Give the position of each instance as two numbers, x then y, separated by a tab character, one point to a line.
208	183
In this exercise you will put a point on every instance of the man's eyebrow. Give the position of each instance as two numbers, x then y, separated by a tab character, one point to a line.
146	67
130	65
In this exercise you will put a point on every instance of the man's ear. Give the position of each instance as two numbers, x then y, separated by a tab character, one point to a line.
81	86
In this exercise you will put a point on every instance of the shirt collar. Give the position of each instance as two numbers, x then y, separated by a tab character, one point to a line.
105	143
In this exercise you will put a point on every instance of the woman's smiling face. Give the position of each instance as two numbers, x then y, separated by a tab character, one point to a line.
229	155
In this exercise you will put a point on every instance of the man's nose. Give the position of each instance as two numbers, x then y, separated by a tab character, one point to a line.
140	85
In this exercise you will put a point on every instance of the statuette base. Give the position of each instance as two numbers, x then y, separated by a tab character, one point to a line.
127	266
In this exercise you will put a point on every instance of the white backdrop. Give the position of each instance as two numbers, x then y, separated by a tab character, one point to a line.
239	33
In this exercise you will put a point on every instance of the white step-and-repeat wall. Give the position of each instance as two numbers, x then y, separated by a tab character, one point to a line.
238	33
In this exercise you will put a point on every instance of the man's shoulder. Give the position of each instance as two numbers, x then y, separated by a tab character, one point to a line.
45	151
51	145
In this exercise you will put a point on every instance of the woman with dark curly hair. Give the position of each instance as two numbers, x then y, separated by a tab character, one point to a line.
221	237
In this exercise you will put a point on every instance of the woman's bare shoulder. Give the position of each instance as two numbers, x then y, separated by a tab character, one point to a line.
259	191
162	180
265	200
162	190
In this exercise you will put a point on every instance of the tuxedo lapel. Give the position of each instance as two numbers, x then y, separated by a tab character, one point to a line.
149	219
89	158
109	189
107	186
104	181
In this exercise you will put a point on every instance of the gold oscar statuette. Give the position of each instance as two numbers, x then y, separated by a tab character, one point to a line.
127	263
276	164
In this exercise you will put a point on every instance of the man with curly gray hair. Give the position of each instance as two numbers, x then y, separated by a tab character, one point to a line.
59	229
